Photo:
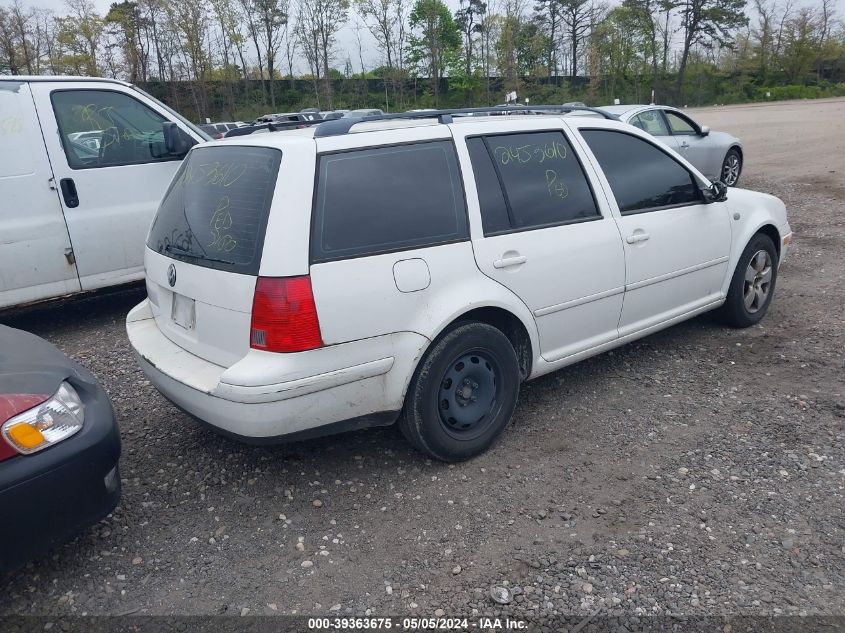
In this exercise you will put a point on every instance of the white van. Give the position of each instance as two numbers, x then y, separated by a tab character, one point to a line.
84	163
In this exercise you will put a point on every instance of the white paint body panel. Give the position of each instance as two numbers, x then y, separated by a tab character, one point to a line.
582	289
116	204
33	234
573	311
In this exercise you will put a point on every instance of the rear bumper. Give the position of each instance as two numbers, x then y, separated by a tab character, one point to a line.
48	497
266	396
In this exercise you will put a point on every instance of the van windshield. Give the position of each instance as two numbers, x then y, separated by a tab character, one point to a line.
214	213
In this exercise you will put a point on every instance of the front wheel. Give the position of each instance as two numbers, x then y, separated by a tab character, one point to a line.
463	393
753	283
732	167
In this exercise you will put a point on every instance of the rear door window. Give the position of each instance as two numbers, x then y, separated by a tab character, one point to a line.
542	179
215	212
652	122
387	199
494	209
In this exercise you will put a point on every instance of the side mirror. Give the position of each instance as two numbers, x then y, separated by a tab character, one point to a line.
705	130
176	141
716	192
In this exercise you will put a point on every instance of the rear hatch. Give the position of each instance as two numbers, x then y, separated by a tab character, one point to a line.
205	246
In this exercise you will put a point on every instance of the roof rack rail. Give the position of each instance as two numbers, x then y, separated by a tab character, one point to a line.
339	127
274	126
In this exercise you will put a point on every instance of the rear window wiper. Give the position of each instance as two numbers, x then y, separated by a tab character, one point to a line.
178	250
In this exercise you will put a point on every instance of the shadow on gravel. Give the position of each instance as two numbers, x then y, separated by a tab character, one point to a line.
105	312
51	318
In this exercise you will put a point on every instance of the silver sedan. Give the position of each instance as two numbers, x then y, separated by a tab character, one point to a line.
717	155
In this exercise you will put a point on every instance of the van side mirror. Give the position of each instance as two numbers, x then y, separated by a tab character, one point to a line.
705	130
177	142
716	192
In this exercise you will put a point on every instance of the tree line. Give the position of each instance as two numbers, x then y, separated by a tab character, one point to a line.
238	58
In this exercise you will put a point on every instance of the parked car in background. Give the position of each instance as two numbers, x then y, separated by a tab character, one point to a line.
282	117
59	448
717	155
342	278
90	139
218	130
362	112
83	166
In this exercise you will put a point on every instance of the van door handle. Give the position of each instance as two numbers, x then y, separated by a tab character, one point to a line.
637	238
69	193
685	145
506	262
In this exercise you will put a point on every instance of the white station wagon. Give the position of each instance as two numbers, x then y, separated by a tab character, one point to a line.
419	267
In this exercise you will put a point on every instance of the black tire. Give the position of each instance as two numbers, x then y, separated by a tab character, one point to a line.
442	402
731	167
736	312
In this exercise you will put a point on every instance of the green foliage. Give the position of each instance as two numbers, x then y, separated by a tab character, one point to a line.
435	37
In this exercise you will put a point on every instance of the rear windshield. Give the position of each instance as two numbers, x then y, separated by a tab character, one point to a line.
215	212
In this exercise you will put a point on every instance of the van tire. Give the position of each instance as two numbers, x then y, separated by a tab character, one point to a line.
746	278
463	393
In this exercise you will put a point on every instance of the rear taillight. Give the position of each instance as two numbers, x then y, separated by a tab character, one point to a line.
284	317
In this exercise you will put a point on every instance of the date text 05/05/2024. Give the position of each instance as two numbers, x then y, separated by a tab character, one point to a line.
416	624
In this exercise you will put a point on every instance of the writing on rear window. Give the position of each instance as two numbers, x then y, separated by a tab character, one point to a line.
528	152
215	174
215	212
529	180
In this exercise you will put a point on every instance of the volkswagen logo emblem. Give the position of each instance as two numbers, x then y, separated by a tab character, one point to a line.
171	275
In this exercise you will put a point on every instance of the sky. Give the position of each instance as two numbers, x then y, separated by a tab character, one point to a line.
347	39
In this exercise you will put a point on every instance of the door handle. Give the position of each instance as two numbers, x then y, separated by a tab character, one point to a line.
506	262
636	238
69	193
685	145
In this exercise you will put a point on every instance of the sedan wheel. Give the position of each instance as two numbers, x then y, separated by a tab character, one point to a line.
731	168
753	283
758	281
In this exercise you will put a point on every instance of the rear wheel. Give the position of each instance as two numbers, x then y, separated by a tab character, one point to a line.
463	393
732	167
753	283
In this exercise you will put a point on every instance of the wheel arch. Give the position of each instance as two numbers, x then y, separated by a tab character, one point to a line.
765	227
772	232
524	340
508	324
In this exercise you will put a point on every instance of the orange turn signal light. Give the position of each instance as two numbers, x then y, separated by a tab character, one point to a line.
25	436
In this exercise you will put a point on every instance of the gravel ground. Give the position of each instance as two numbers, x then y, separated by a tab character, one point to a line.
698	471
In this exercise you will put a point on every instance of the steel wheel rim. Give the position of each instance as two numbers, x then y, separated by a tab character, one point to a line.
468	395
730	171
758	281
